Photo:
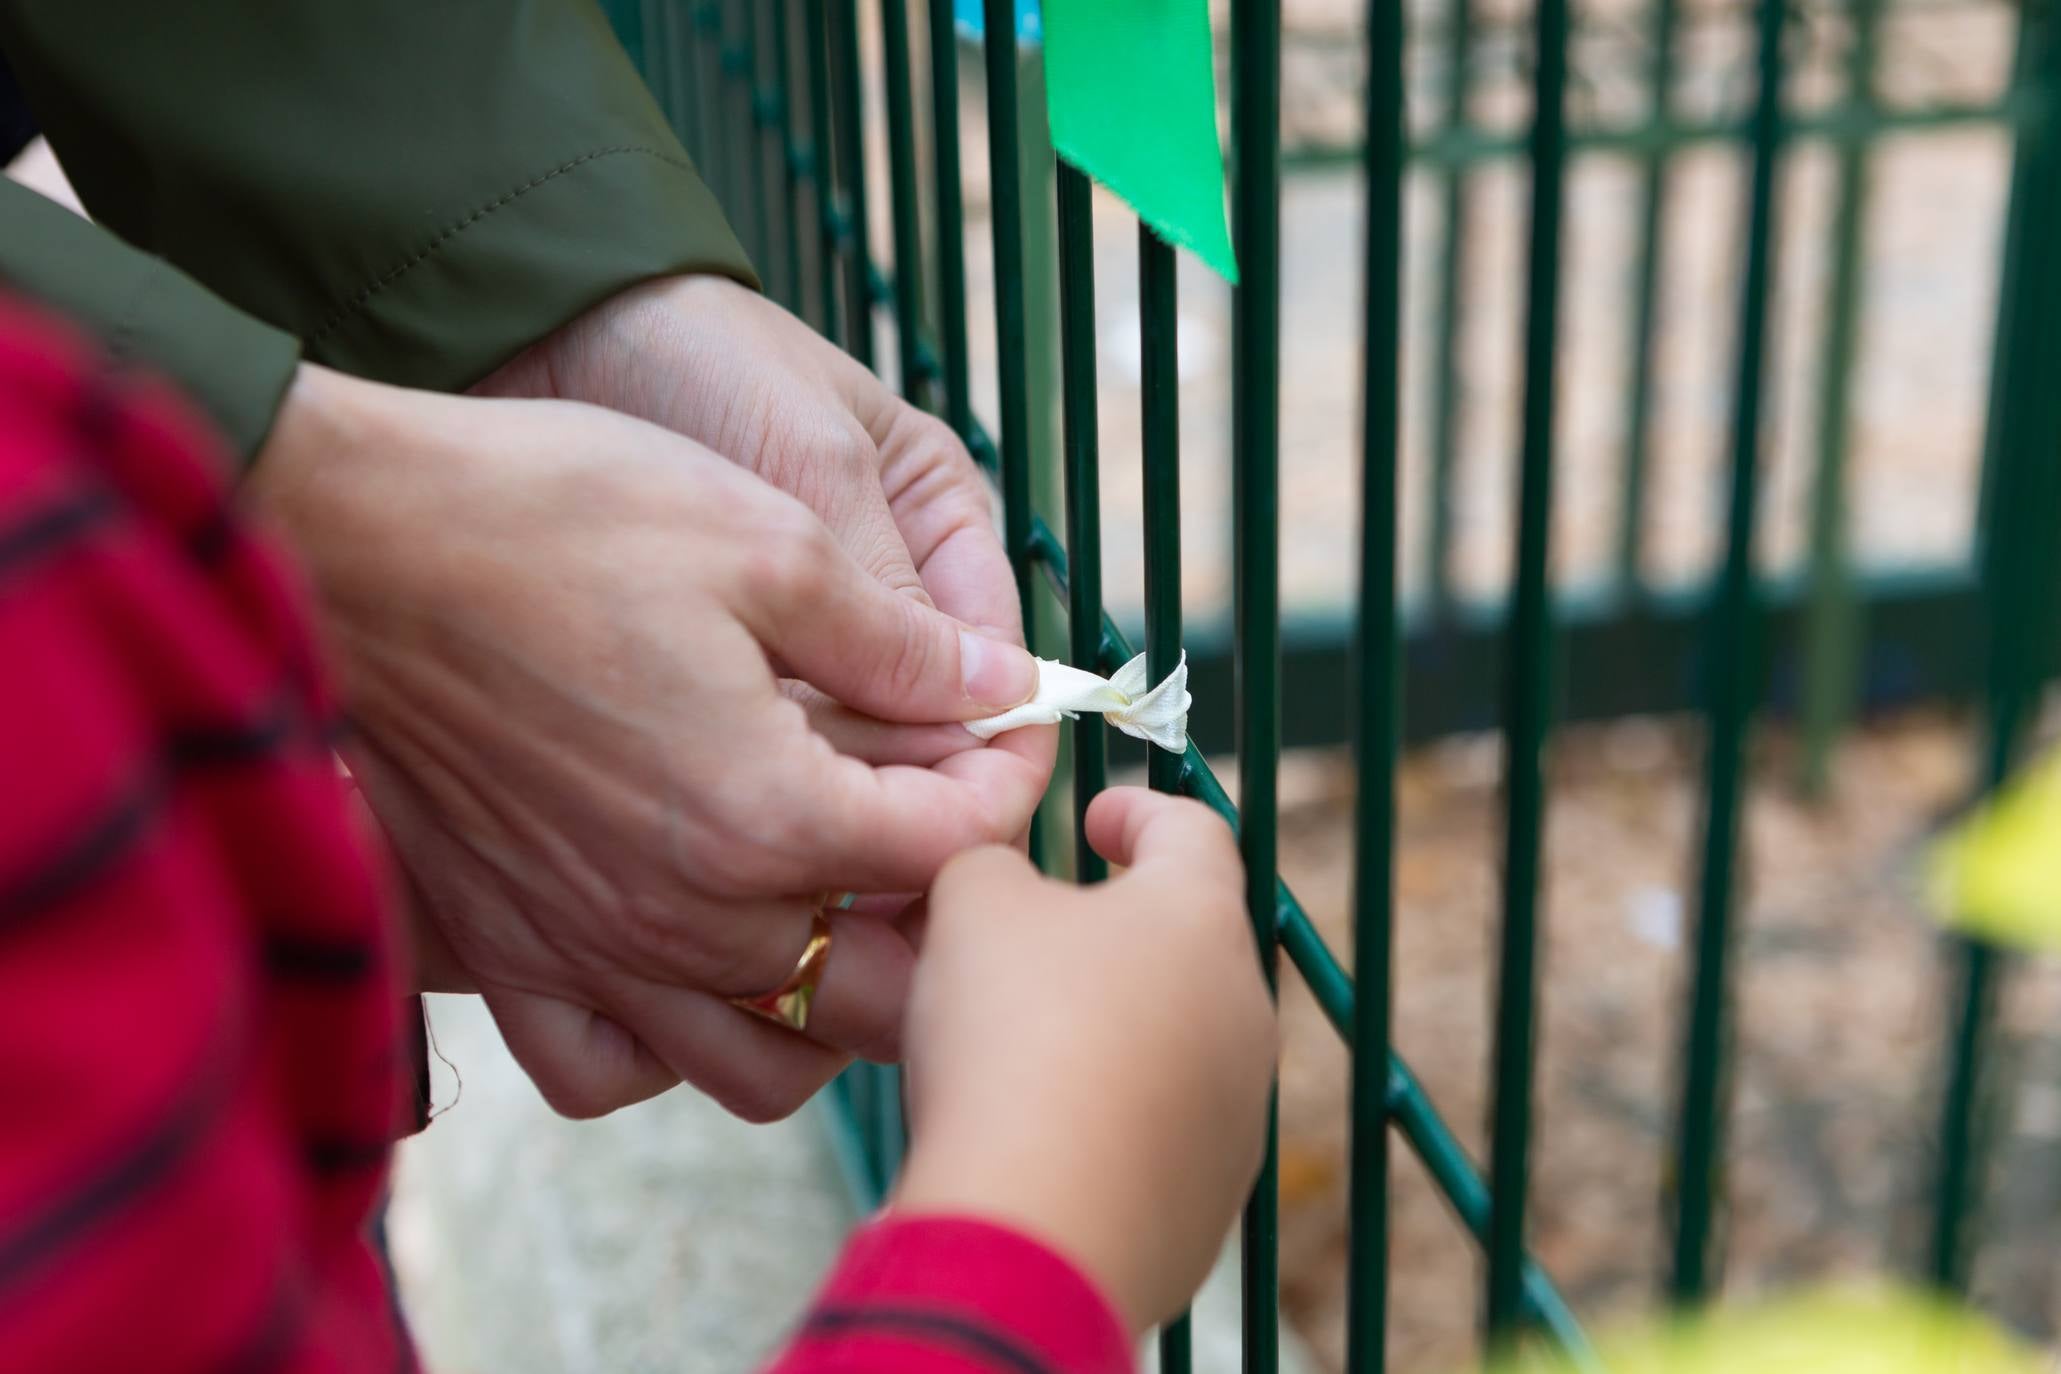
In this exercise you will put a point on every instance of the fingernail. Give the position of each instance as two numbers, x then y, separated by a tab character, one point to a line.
994	673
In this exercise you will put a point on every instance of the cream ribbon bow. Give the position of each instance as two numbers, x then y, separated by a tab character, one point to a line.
1159	715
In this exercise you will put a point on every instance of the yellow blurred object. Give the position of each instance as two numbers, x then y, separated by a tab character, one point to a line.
1841	1331
1997	875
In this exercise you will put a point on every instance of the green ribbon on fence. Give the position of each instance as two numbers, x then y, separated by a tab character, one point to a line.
1130	89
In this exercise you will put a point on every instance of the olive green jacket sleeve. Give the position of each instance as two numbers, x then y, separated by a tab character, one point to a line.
146	311
414	189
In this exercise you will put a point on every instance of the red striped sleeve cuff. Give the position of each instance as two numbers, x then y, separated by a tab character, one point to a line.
954	1295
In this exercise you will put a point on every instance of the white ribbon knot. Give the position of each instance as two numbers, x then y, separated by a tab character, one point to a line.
1159	716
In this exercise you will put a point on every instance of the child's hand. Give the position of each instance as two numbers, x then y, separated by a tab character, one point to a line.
1090	1065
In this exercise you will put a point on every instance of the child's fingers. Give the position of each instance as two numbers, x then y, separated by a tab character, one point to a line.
1137	829
979	882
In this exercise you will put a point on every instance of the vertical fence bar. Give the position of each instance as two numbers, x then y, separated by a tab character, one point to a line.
1006	181
701	23
908	225
1638	429
951	222
1445	351
1083	490
692	88
847	90
771	110
888	1130
2013	596
2025	80
1176	1346
769	150
734	50
1377	694
626	17
660	66
2017	550
1256	572
816	39
1951	1257
802	159
849	263
1733	660
665	41
654	21
1831	634
1161	402
1529	688
860	1081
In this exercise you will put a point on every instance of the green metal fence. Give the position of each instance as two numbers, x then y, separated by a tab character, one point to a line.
768	95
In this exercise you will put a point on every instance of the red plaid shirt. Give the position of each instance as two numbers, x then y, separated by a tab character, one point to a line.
201	1058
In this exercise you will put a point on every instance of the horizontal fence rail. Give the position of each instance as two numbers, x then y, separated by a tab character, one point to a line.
772	98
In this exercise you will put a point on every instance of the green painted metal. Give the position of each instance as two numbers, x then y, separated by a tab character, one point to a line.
626	17
857	1090
1628	654
849	138
951	223
1411	1110
701	24
1004	175
2018	558
1378	692
736	58
799	152
849	1150
1161	403
1176	1346
1527	710
2025	88
663	56
854	268
1924	646
1471	144
1638	431
908	222
1012	330
1445	351
1256	582
1051	829
1160	391
816	44
774	115
1832	655
1083	489
1538	1304
768	150
1951	1259
657	41
1699	1141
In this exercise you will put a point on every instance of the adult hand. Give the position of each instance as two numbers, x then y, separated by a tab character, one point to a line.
726	367
1090	1065
561	633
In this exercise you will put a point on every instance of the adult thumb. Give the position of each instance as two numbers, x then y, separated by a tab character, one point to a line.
890	655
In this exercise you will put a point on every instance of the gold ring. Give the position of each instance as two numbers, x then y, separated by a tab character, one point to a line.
788	1005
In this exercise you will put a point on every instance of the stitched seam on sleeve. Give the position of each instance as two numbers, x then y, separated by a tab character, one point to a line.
358	302
121	338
